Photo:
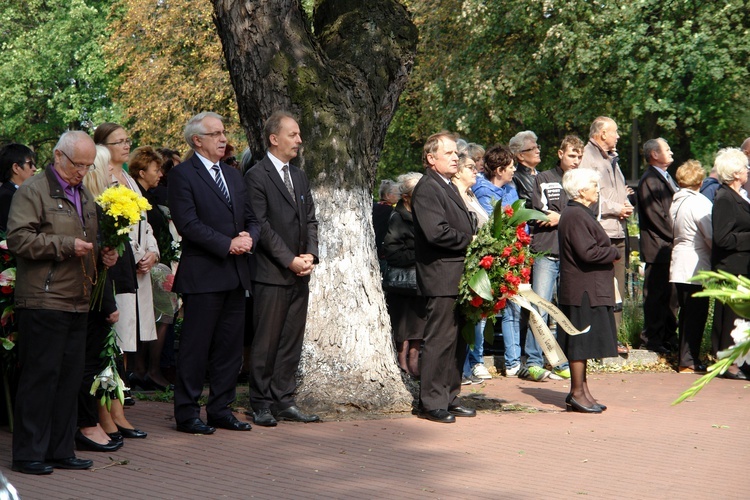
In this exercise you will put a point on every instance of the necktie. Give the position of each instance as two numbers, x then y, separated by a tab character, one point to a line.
288	180
671	181
220	183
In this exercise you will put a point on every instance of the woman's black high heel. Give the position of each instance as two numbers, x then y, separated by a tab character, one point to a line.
573	405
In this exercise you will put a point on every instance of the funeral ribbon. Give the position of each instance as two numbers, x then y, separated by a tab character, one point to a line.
525	298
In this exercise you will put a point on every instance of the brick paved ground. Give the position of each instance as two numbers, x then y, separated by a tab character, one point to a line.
640	448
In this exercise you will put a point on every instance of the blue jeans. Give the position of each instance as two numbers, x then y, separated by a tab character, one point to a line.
476	355
512	334
544	283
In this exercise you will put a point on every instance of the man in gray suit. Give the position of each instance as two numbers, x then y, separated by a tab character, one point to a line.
443	229
286	256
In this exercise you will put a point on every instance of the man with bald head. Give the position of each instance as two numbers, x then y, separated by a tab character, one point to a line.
443	229
613	207
52	229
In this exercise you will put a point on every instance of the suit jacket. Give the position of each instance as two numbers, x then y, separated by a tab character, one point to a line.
442	230
207	223
288	224
7	190
654	200
586	258
731	226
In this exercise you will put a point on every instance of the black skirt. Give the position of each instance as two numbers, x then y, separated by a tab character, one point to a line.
407	316
601	339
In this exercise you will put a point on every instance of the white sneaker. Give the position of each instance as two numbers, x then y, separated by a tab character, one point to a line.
480	371
512	372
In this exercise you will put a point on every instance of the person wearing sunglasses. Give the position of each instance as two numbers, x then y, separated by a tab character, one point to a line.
17	163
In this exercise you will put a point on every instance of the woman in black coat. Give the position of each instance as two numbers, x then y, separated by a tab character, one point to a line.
731	242
586	294
406	308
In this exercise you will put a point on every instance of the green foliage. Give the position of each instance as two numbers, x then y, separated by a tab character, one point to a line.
488	69
52	74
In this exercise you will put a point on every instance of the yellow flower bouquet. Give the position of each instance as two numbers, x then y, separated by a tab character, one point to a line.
121	208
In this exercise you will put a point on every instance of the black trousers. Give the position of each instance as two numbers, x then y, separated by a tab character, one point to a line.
88	404
692	322
659	306
442	360
211	339
279	317
51	348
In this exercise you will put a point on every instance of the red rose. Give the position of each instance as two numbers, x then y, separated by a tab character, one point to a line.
526	274
168	283
500	304
531	261
513	261
477	301
486	261
522	235
518	245
7	290
503	289
507	251
508	210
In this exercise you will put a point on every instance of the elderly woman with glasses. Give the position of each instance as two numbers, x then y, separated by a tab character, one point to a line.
731	242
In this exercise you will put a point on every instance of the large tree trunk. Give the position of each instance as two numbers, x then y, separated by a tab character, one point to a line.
343	84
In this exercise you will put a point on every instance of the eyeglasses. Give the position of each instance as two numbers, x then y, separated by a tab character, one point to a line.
120	143
214	134
532	148
30	162
77	166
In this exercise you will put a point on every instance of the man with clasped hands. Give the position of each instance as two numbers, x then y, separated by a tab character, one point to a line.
443	229
211	210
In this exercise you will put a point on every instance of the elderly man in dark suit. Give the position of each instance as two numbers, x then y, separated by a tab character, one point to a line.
443	229
655	191
212	212
286	256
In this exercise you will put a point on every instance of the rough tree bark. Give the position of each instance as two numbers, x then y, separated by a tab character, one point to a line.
343	83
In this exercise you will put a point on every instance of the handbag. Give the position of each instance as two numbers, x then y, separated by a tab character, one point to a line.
400	280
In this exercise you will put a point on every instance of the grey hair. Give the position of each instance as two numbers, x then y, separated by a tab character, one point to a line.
387	187
461	147
599	124
69	139
577	179
650	146
407	181
475	151
518	141
728	162
195	126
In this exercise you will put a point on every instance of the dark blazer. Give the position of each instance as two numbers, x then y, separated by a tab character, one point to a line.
731	240
398	244
207	223
654	200
442	230
586	258
288	225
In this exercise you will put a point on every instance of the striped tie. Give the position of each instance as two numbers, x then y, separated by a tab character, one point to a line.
220	183
288	180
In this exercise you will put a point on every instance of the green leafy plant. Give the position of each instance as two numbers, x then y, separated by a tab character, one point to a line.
733	291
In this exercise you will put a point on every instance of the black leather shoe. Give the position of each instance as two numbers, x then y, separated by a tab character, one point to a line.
195	426
264	418
71	463
229	422
601	406
115	436
85	444
294	414
659	349
573	405
442	416
31	467
135	381
132	433
738	375
461	411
